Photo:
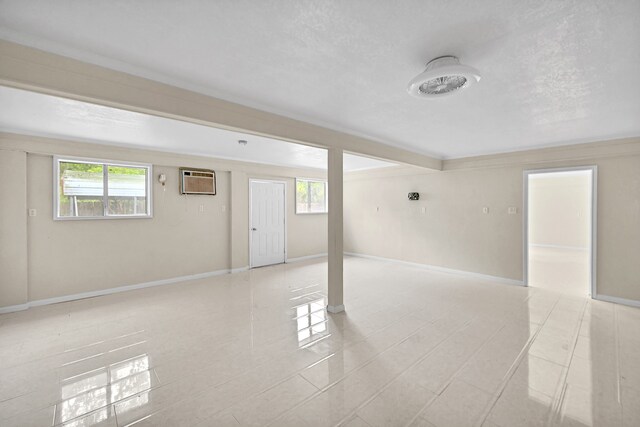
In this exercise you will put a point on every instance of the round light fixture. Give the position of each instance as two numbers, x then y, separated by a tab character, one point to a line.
443	76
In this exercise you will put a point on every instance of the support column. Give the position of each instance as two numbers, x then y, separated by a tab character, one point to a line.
239	221
335	246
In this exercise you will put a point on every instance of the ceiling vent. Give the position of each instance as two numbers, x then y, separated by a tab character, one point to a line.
443	76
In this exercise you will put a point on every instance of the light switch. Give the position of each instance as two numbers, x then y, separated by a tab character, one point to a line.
33	212
485	210
201	208
512	210
224	208
377	208
423	210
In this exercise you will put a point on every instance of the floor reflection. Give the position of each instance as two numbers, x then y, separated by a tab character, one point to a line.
311	319
439	349
563	270
93	392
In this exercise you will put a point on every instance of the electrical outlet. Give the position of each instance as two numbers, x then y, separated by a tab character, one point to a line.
485	210
224	208
512	210
33	212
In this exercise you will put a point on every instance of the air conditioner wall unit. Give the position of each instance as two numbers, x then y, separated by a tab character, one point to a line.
197	181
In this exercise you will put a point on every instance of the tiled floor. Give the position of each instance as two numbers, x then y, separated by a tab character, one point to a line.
565	270
257	348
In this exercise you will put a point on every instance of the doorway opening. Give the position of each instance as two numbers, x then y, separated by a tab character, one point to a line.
267	218
560	230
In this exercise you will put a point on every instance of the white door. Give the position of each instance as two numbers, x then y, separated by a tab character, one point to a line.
267	222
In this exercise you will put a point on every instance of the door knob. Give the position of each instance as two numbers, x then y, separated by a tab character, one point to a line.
254	229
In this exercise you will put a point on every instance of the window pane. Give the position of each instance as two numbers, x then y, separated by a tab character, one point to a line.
80	190
127	192
311	196
317	196
302	196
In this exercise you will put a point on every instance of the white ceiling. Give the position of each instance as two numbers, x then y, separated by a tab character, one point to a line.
44	115
554	71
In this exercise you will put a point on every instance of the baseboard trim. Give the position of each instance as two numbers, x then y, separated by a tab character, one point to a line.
12	308
435	268
304	258
335	308
101	292
83	295
618	300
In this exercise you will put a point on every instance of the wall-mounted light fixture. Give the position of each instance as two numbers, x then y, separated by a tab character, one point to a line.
162	179
414	196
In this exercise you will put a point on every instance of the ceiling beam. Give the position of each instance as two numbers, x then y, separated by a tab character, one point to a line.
27	68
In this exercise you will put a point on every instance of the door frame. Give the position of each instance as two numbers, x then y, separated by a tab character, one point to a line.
270	181
594	220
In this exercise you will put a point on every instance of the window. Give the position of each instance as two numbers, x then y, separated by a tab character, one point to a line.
311	196
90	189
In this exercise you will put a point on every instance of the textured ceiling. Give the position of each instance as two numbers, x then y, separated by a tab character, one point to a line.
554	72
50	116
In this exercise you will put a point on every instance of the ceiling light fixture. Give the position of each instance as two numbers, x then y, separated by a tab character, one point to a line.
242	142
442	77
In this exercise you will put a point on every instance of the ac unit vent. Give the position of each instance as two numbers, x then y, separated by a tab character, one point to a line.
197	181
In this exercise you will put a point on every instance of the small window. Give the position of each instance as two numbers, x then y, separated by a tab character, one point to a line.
311	196
90	189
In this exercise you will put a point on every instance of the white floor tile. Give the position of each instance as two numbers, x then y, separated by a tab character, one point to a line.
414	347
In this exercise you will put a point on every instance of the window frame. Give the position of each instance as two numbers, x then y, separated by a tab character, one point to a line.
105	197
326	195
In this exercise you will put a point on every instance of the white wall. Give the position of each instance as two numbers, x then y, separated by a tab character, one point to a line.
454	233
70	257
306	234
559	209
13	227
